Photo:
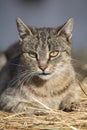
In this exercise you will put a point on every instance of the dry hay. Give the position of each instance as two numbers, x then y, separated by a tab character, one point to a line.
47	120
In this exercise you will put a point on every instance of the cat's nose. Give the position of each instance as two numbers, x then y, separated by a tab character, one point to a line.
43	67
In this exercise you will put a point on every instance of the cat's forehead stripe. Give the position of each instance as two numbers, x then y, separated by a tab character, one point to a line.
43	38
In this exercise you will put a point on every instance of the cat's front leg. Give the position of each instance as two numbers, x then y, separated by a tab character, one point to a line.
12	102
70	102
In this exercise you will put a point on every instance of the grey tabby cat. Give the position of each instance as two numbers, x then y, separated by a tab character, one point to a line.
41	74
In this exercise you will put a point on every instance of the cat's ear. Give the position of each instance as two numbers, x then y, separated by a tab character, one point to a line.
66	29
23	29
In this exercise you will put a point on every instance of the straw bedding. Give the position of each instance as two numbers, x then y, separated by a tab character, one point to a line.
48	119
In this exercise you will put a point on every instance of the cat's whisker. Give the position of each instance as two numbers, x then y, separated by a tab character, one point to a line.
22	78
78	64
18	77
75	60
17	65
19	74
15	80
26	77
30	77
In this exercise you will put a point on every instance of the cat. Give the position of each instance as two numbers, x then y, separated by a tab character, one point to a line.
41	74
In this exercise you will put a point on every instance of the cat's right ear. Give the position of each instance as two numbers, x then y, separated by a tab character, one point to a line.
23	29
66	29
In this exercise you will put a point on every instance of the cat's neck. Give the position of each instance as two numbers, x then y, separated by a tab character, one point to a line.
57	84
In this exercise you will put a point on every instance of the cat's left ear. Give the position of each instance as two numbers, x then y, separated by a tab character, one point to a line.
66	29
23	29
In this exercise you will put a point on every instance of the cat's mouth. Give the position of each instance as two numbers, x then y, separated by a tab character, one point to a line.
45	76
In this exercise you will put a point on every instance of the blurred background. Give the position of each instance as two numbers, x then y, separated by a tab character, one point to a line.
45	13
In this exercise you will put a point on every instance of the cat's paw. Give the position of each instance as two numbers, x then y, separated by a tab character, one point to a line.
69	105
73	106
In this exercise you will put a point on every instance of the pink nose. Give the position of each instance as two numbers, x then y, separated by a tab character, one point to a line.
43	67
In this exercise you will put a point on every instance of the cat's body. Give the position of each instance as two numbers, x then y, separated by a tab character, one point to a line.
42	73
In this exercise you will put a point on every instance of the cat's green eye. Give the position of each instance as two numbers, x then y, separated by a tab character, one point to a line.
54	53
32	54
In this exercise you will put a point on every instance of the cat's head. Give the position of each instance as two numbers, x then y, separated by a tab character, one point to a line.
46	51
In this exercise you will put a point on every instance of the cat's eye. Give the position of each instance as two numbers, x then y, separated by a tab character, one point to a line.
32	54
54	53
